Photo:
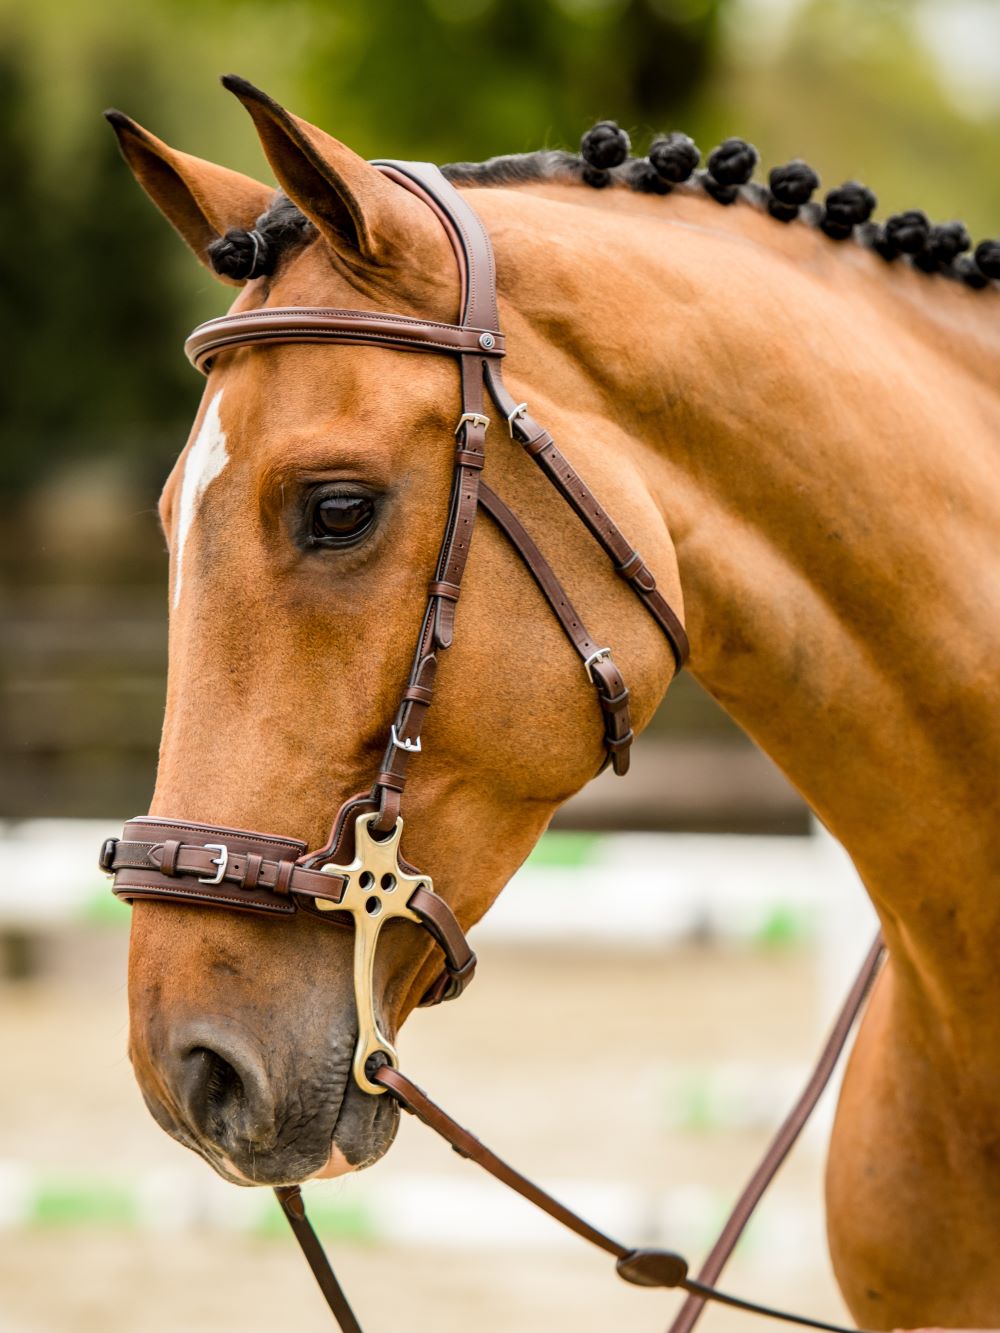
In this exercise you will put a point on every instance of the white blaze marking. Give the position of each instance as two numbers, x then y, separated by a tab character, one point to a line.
206	459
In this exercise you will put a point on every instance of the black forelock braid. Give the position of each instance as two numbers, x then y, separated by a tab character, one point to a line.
242	254
671	161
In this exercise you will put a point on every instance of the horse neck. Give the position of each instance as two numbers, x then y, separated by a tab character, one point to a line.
821	435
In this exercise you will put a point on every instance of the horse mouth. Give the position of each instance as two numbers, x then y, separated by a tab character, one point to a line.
323	1128
364	1131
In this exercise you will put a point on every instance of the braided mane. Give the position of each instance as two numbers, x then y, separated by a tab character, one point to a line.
671	162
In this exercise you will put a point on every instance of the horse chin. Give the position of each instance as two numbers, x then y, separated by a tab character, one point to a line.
336	1165
364	1130
361	1150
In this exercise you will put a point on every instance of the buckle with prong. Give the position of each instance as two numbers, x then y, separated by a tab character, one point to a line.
402	742
221	863
518	411
602	655
474	419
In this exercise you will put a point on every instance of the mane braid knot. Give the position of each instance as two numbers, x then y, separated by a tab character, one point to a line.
945	242
673	157
729	166
605	145
987	257
968	271
847	207
872	236
791	186
908	232
948	241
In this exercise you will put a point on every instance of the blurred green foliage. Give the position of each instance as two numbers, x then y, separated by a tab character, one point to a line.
105	286
104	292
97	293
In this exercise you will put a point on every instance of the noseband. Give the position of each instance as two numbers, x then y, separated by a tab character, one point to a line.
358	878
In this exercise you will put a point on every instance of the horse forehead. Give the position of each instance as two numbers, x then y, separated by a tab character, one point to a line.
206	459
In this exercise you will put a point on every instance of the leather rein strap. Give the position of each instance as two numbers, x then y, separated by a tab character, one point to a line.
198	864
646	1267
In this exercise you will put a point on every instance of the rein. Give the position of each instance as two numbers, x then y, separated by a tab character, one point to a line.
358	878
644	1267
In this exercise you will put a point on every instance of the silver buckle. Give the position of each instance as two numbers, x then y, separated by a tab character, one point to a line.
518	411
411	747
474	419
221	861
602	655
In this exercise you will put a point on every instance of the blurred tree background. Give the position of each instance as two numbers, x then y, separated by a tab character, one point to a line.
98	293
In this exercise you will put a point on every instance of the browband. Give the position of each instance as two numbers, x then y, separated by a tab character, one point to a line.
317	324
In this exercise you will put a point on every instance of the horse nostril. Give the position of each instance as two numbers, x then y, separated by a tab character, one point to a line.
223	1091
226	1100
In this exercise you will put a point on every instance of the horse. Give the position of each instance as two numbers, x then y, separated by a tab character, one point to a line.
794	412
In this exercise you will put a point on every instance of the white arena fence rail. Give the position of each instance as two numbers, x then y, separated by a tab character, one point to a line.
726	890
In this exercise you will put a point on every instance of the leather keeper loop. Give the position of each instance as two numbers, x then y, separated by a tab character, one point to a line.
440	588
617	744
168	857
390	780
470	458
290	1198
534	447
418	694
613	703
251	871
464	972
389	803
630	568
283	878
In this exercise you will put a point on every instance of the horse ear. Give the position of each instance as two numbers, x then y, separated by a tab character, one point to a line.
200	199
357	209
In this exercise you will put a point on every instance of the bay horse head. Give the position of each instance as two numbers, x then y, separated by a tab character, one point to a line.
318	523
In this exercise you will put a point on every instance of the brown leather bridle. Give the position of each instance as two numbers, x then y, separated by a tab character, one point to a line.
359	877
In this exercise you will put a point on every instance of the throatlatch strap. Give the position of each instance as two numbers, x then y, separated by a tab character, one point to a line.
539	445
643	1267
612	694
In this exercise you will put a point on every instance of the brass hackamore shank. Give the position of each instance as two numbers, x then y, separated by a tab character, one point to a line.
377	890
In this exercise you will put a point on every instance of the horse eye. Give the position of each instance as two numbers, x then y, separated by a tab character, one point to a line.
340	520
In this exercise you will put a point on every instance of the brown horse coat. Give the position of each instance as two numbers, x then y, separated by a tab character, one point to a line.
804	445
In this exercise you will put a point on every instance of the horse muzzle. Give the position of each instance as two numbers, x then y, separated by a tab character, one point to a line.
212	1087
